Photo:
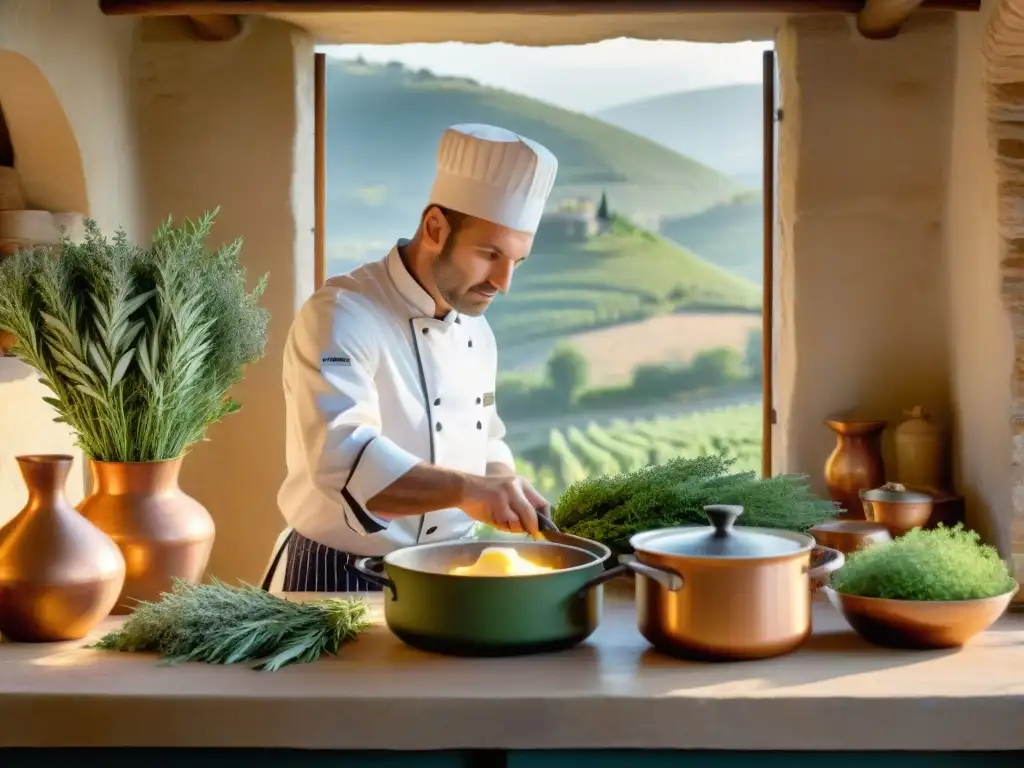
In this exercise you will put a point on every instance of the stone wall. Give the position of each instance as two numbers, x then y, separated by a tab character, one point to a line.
1004	74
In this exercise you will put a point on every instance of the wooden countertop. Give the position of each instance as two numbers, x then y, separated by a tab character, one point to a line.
836	693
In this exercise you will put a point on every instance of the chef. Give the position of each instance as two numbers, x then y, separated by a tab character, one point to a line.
393	433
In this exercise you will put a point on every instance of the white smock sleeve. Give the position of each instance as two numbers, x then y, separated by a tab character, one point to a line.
330	360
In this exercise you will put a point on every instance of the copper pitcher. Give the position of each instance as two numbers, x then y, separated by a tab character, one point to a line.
163	532
855	464
59	574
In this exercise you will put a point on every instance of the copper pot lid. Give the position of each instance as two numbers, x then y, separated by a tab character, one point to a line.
722	539
894	492
860	527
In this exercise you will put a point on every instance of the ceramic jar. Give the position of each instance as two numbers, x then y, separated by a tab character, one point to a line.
919	452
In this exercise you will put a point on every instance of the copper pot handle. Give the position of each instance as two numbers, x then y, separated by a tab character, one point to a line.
669	579
832	564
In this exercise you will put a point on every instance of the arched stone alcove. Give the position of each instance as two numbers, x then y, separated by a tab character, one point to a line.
46	152
49	164
1004	71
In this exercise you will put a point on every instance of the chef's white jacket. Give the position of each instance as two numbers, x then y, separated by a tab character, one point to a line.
373	385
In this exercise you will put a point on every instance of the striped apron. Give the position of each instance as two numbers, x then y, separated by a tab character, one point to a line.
313	567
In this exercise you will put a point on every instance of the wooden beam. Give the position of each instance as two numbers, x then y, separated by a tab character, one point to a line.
215	27
882	19
555	7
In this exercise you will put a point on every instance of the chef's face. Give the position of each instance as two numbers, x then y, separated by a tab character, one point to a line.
475	258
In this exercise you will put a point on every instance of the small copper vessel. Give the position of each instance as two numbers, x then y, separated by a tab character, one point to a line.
897	508
60	575
855	464
163	532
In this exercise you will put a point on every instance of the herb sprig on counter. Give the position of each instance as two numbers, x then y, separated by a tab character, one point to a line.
221	624
612	508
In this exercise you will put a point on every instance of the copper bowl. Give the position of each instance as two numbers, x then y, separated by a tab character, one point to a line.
848	536
919	624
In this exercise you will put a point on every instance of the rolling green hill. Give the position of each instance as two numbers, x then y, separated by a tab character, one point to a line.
625	274
718	126
384	122
729	235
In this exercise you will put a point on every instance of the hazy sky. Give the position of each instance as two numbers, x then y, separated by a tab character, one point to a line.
580	77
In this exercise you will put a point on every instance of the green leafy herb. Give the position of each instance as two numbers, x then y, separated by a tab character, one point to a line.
139	346
938	564
612	508
220	624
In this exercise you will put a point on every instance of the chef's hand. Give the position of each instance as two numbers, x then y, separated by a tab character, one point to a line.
508	502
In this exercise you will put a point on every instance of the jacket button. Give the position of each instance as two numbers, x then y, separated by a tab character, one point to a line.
471	342
426	331
478	401
479	425
438	401
431	529
438	426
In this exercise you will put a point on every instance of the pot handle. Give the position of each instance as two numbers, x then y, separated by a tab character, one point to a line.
372	569
601	578
834	560
668	578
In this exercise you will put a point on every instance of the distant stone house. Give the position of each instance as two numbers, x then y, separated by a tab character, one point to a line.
573	220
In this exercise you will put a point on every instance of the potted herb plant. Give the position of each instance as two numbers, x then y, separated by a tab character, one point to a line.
140	347
927	589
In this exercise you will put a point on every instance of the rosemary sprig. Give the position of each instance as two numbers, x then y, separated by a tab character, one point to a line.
220	624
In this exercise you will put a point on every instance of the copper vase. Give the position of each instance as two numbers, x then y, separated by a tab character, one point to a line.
60	575
855	464
163	532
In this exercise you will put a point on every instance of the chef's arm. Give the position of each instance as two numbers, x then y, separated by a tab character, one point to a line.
425	486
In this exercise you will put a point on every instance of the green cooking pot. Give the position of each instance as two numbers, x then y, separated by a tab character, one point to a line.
427	607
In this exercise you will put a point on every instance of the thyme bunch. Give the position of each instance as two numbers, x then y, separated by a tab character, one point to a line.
612	508
938	564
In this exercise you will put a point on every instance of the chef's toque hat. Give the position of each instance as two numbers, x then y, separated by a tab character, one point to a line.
493	174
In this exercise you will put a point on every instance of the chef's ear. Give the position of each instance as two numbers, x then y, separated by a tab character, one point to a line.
436	228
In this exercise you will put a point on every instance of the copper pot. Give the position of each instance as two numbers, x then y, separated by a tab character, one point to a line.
59	574
898	509
722	592
163	532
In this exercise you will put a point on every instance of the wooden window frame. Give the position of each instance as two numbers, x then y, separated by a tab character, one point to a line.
769	112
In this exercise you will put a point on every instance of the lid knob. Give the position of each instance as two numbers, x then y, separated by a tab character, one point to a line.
723	516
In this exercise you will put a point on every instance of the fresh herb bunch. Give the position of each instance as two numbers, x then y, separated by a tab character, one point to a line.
220	624
139	346
938	564
612	508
